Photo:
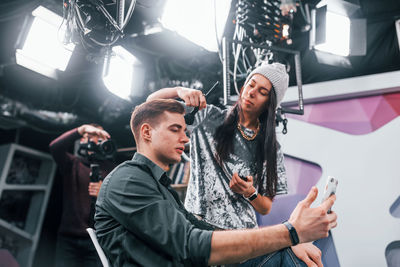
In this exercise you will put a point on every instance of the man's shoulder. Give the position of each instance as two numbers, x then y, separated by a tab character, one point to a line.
129	176
130	169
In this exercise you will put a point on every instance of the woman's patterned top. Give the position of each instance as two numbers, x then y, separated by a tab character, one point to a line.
209	194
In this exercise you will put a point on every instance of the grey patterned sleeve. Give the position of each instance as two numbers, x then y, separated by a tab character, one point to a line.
282	187
201	115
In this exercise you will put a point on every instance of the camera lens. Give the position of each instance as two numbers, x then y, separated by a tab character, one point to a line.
107	147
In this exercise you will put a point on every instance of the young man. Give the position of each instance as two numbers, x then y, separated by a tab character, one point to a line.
140	220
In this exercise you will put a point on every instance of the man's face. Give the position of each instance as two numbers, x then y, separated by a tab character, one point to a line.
255	94
169	137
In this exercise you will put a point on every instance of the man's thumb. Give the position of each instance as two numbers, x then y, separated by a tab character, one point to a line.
312	195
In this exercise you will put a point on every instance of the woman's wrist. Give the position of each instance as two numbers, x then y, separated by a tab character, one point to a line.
250	192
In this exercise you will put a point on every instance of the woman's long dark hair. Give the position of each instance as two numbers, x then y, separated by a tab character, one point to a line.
266	143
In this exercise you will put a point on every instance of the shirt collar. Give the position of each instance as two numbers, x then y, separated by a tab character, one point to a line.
156	170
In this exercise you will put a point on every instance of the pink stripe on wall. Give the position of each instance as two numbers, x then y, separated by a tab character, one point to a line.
353	116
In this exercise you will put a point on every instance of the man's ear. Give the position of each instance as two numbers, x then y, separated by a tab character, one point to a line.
146	131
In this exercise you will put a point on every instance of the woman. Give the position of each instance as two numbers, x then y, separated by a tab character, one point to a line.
236	162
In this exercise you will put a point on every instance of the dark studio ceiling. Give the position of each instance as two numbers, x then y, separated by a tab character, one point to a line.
166	56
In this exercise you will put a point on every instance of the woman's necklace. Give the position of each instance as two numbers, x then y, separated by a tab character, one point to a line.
245	136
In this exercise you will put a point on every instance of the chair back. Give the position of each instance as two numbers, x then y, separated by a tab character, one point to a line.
100	252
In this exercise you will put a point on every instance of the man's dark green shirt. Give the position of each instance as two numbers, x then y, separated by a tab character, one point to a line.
139	222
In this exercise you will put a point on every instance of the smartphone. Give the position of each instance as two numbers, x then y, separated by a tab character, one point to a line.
330	188
243	178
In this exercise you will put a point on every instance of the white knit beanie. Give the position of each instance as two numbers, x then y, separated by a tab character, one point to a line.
277	75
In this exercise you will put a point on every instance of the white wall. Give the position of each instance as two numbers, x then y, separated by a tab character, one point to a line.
367	166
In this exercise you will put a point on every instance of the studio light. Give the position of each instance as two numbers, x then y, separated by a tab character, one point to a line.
43	50
123	73
337	35
337	29
199	21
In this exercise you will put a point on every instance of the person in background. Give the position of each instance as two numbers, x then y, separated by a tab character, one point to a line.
140	220
237	165
74	247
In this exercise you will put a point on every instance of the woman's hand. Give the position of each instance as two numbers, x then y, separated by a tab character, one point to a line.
261	204
192	97
238	185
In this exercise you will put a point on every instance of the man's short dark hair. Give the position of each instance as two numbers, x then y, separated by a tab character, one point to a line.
151	112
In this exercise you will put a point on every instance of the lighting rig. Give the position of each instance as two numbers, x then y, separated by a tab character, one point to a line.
262	29
91	23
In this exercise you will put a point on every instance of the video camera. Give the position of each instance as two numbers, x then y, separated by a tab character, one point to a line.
103	150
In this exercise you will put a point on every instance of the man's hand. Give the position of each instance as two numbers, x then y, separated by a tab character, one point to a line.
238	185
94	188
310	254
91	131
192	97
313	223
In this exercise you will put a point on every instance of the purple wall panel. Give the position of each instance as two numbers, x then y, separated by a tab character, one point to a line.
353	116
